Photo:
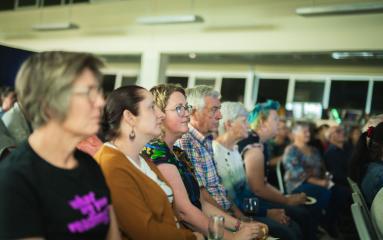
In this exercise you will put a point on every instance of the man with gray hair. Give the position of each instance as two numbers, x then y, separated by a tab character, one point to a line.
197	143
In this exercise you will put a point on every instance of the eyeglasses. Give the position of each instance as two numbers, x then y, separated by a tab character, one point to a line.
181	109
92	92
214	110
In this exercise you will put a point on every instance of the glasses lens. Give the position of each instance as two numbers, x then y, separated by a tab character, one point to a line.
180	110
95	92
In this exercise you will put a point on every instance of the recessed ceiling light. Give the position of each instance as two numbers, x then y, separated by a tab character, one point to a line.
153	20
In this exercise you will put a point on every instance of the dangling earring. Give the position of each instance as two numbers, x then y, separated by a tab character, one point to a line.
132	135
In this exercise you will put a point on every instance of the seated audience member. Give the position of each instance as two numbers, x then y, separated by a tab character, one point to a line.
6	141
336	158
90	145
49	189
303	167
353	138
319	140
263	121
276	146
367	162
17	123
372	122
232	128
197	143
8	98
376	213
174	165
141	196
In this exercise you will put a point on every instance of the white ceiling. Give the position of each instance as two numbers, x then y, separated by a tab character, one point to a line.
232	26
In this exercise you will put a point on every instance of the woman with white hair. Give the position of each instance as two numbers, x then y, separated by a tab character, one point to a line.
233	128
49	189
303	173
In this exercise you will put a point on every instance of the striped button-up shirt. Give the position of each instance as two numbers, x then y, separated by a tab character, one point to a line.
200	152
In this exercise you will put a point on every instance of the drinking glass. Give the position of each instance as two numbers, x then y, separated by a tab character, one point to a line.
216	227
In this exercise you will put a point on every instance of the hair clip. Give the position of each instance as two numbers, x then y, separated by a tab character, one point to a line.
370	131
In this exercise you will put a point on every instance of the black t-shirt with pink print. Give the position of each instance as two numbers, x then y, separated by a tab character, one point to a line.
41	200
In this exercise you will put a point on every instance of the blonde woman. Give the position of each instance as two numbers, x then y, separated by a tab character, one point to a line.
176	168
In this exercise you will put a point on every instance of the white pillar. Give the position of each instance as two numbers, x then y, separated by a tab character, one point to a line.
153	69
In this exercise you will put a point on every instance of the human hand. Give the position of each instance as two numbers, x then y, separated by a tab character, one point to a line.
250	231
278	215
199	236
324	182
296	199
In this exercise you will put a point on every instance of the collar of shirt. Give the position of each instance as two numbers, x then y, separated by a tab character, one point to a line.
199	136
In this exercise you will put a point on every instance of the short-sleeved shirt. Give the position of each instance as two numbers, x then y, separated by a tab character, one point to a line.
41	200
297	165
159	153
200	152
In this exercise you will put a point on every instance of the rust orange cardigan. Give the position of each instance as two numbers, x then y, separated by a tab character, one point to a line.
142	208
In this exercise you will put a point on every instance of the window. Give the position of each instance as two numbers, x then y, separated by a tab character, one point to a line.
51	2
183	81
76	1
377	98
348	94
108	83
7	5
205	81
275	89
233	89
308	91
27	3
128	80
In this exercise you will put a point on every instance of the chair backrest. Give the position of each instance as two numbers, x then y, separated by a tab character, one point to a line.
278	170
354	186
377	214
361	224
363	214
358	197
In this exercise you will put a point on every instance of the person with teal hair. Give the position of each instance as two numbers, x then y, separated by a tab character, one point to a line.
263	121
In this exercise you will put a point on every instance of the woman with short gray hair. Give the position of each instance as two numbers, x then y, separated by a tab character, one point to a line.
51	190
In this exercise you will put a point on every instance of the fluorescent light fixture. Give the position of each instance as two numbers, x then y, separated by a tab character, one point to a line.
55	26
346	55
340	9
153	20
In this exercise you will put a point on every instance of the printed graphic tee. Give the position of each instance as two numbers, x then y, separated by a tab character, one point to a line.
41	200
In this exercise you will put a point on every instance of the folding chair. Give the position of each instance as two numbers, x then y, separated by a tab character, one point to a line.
358	197
363	224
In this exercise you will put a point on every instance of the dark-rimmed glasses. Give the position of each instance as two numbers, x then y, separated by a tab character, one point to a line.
181	109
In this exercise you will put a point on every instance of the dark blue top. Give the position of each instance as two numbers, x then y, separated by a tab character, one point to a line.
336	161
372	181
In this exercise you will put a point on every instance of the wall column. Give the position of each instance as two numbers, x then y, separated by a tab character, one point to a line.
153	69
